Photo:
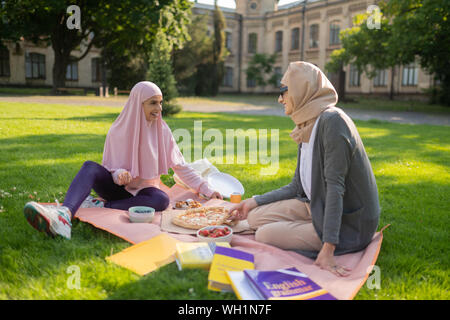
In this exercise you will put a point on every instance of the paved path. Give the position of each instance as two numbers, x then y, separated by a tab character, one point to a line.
391	116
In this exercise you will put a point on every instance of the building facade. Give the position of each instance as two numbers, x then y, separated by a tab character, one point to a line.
302	30
24	63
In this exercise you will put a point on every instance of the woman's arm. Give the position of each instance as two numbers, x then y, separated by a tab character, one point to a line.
286	192
193	180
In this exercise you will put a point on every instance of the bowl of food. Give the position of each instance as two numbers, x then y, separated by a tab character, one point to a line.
215	234
188	204
141	214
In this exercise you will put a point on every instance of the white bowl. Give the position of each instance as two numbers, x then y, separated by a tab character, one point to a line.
226	238
141	214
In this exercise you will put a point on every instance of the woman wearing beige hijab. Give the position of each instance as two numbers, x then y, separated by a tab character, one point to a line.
331	206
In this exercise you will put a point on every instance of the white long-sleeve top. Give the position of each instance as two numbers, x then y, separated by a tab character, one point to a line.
306	161
186	174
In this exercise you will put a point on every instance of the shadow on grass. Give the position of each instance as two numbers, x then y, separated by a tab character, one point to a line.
168	283
51	148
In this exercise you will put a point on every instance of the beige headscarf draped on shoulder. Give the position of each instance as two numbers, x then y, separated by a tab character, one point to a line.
310	93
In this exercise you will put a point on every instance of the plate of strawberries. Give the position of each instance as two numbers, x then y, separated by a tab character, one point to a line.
215	234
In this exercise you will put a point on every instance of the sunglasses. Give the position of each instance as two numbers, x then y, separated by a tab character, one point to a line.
283	90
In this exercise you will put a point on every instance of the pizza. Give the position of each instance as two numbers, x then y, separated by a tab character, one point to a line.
198	218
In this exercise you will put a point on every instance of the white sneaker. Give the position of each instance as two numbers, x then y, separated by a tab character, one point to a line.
91	202
53	220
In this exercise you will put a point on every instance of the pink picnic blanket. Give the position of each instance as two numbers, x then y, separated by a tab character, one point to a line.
267	257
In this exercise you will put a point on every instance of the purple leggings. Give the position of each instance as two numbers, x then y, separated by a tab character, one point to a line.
94	176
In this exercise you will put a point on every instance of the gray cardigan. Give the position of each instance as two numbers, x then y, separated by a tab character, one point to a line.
344	198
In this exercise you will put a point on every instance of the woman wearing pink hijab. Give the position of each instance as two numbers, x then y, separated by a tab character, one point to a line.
139	147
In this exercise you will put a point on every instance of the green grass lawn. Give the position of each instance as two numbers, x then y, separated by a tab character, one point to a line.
42	147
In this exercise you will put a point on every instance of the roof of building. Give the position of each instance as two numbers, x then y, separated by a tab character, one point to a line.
232	10
211	7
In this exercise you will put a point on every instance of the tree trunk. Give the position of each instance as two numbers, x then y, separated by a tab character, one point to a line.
59	71
341	88
63	42
391	91
62	56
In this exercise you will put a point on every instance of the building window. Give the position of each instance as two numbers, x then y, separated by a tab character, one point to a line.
252	42
380	79
251	83
410	74
314	36
295	39
278	75
72	71
228	78
354	77
96	67
334	33
228	41
34	66
4	62
278	41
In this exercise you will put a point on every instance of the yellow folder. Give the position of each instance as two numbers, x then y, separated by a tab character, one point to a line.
147	256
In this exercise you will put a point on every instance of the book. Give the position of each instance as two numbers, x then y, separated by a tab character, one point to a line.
148	255
227	259
241	286
196	254
282	284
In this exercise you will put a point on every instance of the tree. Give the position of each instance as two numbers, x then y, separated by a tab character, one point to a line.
160	72
365	48
260	68
125	70
410	31
199	65
120	26
195	53
219	51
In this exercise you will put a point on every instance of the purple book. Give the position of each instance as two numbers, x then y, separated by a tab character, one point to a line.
286	284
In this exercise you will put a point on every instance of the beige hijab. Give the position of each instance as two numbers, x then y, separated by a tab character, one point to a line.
309	94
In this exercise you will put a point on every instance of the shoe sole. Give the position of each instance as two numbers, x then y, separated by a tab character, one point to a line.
37	220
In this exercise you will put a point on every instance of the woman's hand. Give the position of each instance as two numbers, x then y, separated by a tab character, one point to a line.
216	195
124	178
325	260
240	211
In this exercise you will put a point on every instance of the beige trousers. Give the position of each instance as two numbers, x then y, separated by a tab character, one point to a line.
285	224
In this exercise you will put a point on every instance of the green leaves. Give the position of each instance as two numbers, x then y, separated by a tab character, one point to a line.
125	26
161	73
260	69
410	31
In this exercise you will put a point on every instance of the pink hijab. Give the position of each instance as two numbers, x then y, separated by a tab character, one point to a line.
145	149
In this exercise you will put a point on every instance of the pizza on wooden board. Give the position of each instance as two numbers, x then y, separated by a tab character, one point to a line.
198	218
